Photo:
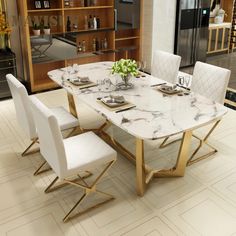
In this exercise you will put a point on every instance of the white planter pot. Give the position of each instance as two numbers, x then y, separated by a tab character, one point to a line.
47	31
36	32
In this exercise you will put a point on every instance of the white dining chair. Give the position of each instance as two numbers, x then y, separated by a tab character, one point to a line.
72	156
165	66
25	116
209	81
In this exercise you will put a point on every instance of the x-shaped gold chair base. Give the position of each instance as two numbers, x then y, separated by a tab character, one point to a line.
88	189
202	142
26	152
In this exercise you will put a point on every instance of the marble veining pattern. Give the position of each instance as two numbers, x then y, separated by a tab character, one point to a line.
156	115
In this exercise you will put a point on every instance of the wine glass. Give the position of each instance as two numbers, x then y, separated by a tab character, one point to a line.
69	68
187	81
75	67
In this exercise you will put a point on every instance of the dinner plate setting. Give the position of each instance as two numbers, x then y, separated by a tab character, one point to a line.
170	89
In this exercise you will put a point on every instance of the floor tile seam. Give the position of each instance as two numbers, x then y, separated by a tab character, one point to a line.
42	205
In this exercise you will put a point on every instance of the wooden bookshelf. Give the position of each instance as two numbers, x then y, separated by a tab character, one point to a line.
121	44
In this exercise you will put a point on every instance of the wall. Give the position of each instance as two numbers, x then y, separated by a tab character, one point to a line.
12	15
160	15
147	26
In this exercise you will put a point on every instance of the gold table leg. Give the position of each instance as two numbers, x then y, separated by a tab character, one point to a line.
72	106
181	163
140	168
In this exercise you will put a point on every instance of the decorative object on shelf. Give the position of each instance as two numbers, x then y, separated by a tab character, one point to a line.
220	16
86	3
83	46
46	4
95	25
66	3
80	47
94	45
105	44
75	27
68	24
37	4
98	22
36	28
126	68
5	31
46	29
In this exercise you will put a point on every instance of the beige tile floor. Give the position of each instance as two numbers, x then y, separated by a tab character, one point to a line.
201	203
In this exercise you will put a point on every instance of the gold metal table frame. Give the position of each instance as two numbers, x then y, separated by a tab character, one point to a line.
144	173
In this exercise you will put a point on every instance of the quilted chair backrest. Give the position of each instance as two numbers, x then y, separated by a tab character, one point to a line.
22	106
165	66
50	137
210	81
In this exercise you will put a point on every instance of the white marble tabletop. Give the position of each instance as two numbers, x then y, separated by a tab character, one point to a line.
155	115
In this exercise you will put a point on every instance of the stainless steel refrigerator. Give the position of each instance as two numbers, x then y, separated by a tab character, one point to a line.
191	37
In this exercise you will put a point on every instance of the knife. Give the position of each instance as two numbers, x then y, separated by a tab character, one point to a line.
125	109
183	87
154	85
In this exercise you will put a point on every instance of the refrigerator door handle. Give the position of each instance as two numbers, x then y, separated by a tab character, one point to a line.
198	27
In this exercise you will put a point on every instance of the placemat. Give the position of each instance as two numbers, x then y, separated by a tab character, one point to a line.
85	85
127	105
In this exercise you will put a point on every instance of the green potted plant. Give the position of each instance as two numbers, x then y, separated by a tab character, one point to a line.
46	29
36	28
126	68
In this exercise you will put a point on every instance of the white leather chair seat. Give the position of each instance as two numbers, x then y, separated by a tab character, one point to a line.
79	156
64	118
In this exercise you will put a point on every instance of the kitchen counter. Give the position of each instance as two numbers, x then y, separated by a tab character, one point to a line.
221	25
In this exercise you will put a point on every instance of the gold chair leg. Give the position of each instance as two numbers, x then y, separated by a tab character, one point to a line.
25	153
203	142
87	191
68	215
52	188
39	171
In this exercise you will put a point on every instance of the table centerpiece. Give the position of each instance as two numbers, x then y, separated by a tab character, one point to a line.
126	68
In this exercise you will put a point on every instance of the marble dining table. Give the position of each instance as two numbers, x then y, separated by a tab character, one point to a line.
154	115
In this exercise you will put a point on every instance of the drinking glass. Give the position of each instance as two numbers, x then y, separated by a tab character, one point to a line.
181	80
75	67
99	84
187	81
107	84
64	78
69	69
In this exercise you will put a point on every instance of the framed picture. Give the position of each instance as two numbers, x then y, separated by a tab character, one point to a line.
38	4
46	4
